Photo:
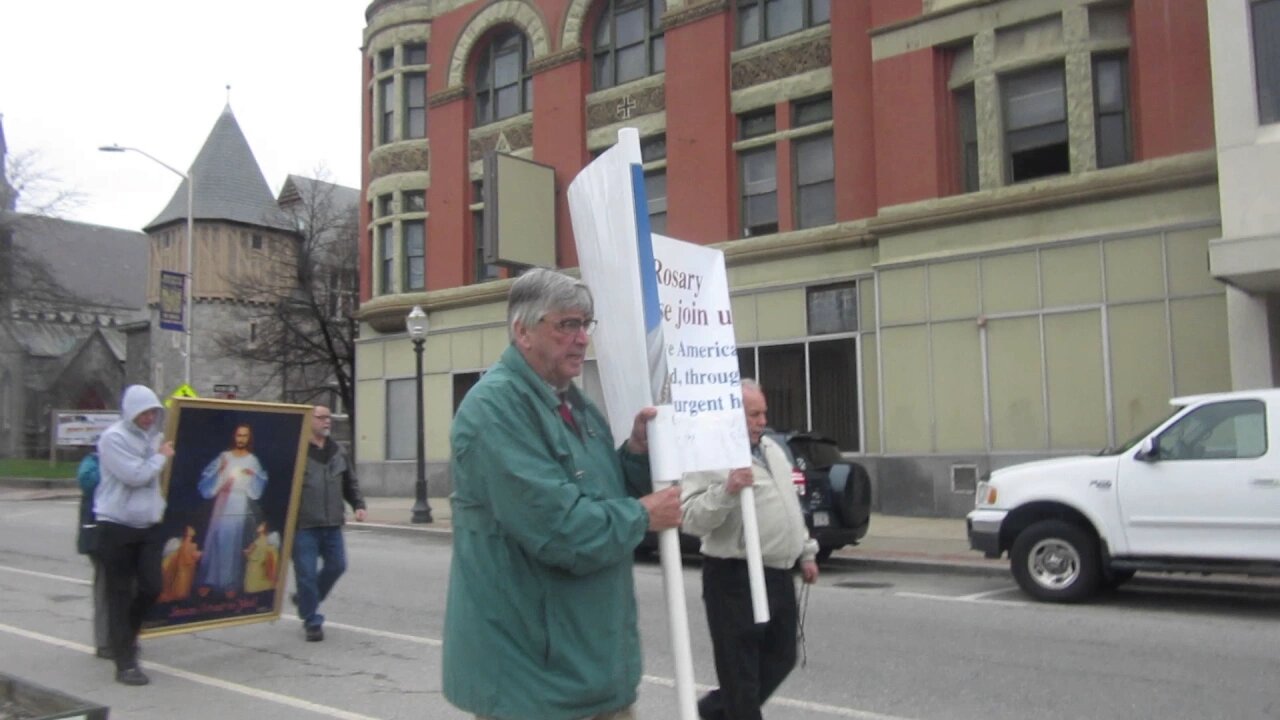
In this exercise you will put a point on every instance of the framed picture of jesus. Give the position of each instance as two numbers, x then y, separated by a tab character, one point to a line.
231	492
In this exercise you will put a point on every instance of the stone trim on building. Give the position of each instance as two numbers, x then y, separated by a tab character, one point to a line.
626	102
784	62
398	158
516	12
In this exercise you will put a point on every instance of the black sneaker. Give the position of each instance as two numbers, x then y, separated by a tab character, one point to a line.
132	676
315	634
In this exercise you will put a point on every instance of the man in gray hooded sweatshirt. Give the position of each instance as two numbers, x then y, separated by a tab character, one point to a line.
128	507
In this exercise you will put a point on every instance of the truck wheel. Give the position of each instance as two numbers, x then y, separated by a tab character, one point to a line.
1056	561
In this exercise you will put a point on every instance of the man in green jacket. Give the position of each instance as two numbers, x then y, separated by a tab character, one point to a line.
547	512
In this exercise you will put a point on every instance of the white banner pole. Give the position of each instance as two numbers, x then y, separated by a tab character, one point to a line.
677	619
755	564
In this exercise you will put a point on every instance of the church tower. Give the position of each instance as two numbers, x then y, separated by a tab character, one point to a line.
240	238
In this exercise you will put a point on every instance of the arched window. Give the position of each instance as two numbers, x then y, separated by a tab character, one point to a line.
628	41
503	85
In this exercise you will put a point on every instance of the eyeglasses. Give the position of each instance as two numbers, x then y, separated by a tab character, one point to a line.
571	326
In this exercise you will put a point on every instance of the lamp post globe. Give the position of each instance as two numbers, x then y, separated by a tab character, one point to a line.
417	325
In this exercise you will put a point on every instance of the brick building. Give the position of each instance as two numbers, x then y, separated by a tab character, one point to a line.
960	233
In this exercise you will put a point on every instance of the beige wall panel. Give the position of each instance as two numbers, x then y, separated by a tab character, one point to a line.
809	268
867	304
1077	384
437	353
371	411
953	290
369	360
870	395
1071	275
906	389
1201	361
1070	221
902	296
781	314
437	414
1009	283
469	315
1139	366
399	355
466	350
1188	258
957	387
1135	269
744	318
495	342
1017	399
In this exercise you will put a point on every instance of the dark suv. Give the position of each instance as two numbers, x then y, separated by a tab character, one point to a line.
835	494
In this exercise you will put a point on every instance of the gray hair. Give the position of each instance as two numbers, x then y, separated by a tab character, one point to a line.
751	384
540	291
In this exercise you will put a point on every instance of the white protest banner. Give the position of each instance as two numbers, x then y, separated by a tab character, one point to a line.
641	362
608	210
703	428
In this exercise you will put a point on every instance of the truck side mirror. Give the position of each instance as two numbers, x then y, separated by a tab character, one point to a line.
1148	450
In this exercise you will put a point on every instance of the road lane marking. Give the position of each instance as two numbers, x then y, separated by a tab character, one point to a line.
659	680
981	595
788	702
46	576
975	599
200	679
419	639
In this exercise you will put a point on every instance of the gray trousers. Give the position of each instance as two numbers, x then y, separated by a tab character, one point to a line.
100	639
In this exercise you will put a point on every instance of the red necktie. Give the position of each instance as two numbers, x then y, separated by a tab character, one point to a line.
567	414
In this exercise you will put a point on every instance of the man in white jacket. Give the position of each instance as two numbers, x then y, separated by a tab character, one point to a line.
128	507
751	660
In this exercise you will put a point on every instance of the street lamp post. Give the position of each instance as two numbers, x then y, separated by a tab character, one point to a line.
188	317
417	325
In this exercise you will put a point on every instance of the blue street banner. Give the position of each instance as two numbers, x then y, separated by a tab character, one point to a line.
172	300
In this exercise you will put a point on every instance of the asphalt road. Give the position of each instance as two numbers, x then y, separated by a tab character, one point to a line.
880	645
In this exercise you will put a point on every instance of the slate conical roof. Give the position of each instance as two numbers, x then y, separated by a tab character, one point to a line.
229	184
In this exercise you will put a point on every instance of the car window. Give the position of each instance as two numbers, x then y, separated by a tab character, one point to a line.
1217	431
815	453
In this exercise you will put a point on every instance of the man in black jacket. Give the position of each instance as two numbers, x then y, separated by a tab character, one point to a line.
319	554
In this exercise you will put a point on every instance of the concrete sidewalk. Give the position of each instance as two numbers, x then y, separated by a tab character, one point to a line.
891	539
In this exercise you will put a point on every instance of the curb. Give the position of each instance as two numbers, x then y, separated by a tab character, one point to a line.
890	560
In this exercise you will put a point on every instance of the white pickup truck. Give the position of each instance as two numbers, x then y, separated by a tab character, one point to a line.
1199	492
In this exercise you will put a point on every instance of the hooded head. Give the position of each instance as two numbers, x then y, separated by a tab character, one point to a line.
137	400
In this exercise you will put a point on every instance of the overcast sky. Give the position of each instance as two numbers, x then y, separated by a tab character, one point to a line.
152	74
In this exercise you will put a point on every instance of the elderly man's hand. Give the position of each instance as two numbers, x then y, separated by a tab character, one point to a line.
664	508
738	479
638	443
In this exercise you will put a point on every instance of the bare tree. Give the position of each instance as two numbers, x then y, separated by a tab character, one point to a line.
30	197
299	304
